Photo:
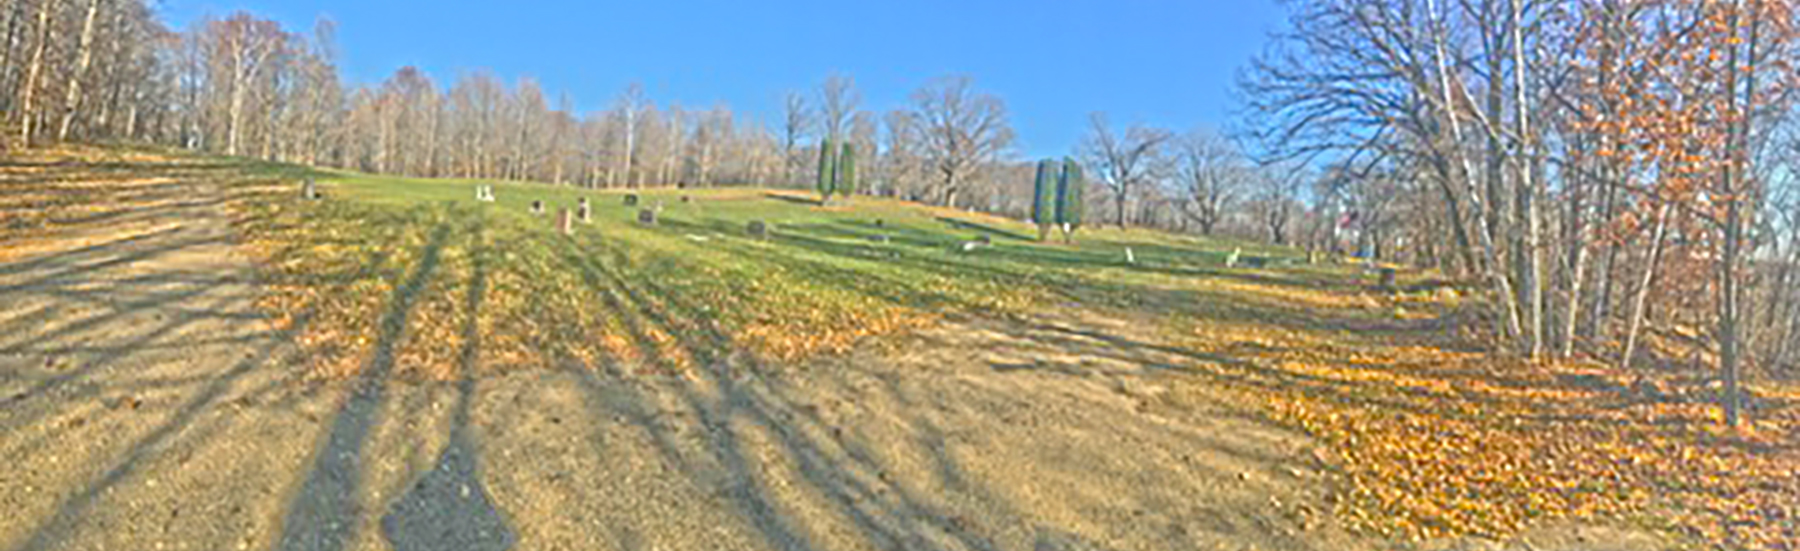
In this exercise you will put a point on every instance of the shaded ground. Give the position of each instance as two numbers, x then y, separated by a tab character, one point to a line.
402	383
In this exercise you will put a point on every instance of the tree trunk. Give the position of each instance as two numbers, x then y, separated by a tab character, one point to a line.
1578	260
6	52
1502	286
84	59
1643	291
1738	136
1529	253
1124	193
27	106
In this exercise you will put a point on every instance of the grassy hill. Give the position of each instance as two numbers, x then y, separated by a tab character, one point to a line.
1434	437
693	285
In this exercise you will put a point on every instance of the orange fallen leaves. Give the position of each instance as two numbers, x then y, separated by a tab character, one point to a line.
1432	442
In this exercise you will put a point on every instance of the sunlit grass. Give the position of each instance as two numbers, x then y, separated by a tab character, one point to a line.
691	288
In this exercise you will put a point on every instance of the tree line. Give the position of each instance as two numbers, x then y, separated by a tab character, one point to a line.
98	70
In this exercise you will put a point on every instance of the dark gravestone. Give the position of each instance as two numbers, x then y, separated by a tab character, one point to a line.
1387	279
686	199
564	223
881	238
984	240
757	229
879	223
584	212
631	200
309	189
647	217
537	207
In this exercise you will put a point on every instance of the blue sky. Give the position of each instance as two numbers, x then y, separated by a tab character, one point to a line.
1164	62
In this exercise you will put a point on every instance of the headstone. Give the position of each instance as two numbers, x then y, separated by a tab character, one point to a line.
647	217
1130	258
881	238
631	200
685	199
584	212
1387	279
537	207
1231	260
757	229
564	223
984	240
309	189
879	223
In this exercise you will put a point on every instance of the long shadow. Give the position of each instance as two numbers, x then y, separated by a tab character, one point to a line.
449	508
808	201
110	358
749	401
1070	274
50	534
634	309
984	228
69	256
324	515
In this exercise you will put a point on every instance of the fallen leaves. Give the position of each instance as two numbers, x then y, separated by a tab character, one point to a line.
1433	443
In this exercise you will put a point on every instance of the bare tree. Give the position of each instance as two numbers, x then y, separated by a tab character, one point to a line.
796	123
85	61
1124	164
45	34
1276	200
1209	174
838	102
245	50
630	108
959	131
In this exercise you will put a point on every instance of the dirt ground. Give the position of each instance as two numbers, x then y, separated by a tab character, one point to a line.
145	404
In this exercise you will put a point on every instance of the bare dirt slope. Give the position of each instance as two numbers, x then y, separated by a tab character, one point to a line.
145	404
148	405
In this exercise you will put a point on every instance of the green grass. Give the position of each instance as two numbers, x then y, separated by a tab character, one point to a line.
692	288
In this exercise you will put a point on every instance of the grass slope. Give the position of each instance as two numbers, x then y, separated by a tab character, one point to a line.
1433	438
621	293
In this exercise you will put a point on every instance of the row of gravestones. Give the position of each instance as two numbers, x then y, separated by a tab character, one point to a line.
584	212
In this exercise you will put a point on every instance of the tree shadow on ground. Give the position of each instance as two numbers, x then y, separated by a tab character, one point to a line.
743	405
961	224
794	199
449	508
323	516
